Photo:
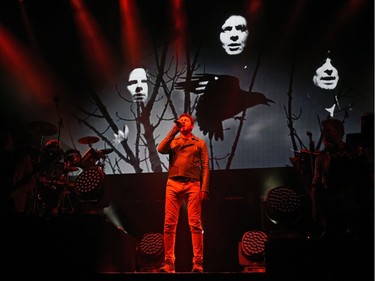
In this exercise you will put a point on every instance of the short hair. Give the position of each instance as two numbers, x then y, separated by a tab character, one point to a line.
335	123
192	120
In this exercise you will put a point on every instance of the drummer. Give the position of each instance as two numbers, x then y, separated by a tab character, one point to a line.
51	158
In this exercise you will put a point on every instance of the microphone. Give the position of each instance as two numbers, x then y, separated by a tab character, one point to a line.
178	123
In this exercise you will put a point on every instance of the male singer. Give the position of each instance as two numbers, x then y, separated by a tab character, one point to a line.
188	179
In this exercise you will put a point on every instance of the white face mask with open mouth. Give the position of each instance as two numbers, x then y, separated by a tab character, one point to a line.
326	76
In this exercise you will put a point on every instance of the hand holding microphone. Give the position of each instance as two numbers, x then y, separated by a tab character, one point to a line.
178	123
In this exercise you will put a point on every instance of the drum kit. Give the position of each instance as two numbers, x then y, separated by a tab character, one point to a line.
66	178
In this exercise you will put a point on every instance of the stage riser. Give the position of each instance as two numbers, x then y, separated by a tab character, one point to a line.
90	245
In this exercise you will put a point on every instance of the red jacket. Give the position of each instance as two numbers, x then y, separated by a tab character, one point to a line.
187	157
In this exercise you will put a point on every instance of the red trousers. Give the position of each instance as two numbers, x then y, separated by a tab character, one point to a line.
176	193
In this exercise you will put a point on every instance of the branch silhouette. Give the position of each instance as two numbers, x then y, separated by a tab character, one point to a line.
130	157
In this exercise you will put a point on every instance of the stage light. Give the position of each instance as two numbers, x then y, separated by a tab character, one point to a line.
89	186
283	205
150	252
251	251
283	213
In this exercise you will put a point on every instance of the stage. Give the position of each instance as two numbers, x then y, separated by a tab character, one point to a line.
92	248
103	243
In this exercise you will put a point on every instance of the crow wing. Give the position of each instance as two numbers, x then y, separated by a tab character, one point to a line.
220	98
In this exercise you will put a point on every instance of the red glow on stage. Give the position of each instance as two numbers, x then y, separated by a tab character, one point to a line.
254	7
254	12
95	48
179	25
131	31
350	9
27	71
345	16
28	26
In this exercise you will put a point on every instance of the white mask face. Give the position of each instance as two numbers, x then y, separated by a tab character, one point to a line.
326	76
234	34
137	85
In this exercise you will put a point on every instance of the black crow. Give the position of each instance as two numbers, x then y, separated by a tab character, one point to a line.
220	98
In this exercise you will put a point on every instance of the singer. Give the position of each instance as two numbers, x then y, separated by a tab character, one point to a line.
188	179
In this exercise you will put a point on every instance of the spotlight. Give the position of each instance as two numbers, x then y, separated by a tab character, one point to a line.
251	251
283	212
150	252
283	205
287	230
89	188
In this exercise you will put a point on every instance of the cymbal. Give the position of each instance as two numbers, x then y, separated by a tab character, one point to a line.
88	140
106	151
43	128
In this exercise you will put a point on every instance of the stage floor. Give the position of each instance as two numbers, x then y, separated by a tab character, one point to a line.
91	248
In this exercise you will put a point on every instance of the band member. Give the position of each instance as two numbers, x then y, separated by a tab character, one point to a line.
188	179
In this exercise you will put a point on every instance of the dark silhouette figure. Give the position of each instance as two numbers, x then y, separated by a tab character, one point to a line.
342	207
220	98
17	176
341	190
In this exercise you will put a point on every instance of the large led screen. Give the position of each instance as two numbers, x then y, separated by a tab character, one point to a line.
107	79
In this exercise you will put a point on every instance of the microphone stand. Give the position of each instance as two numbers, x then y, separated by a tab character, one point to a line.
56	100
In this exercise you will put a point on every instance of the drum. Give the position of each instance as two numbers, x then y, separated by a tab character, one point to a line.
51	161
52	152
72	158
90	158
